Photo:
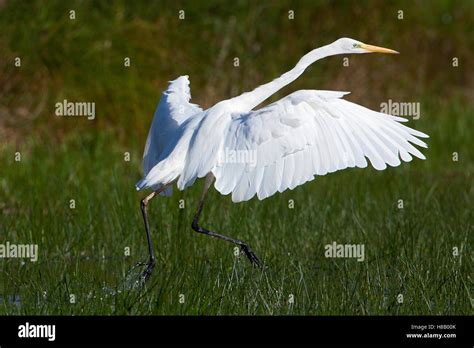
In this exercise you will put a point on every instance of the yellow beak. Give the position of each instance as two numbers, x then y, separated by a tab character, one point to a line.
377	49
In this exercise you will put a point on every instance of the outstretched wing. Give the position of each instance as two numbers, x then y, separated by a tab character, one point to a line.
173	109
305	134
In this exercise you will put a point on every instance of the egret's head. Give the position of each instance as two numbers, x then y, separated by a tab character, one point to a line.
346	46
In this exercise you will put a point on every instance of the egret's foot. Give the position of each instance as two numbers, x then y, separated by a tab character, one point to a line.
253	258
148	270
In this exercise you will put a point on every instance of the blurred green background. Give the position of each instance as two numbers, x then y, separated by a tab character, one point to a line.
65	158
82	59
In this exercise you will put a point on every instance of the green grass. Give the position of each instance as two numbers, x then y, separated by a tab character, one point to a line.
408	251
81	250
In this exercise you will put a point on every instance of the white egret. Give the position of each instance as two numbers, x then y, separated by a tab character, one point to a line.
306	134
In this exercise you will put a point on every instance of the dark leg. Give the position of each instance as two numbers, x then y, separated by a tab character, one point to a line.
151	263
243	246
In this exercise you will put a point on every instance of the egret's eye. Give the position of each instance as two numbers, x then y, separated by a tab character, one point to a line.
356	45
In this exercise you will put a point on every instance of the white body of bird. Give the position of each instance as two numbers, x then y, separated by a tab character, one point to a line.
306	134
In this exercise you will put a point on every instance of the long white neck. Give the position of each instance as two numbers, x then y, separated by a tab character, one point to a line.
249	100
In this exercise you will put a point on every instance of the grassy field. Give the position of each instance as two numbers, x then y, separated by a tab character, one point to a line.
83	267
409	251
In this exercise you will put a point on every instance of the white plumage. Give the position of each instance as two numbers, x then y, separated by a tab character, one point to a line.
306	134
173	109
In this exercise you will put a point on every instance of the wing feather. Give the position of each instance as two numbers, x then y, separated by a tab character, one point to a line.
309	133
173	109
